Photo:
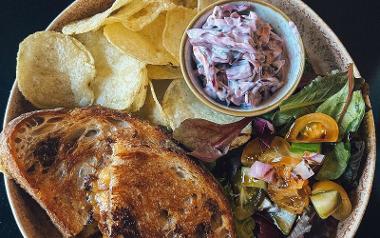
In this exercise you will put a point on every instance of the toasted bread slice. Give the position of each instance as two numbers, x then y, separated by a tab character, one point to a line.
152	192
99	165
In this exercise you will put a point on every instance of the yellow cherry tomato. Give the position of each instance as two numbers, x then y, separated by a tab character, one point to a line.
313	128
255	150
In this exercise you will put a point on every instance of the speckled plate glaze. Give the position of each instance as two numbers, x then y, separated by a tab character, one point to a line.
323	48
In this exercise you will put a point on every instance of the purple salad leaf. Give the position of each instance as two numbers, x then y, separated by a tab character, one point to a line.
323	228
207	140
351	85
263	127
264	130
265	228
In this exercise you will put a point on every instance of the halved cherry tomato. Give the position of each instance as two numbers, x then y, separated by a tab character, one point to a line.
284	177
314	127
345	208
280	145
256	150
291	199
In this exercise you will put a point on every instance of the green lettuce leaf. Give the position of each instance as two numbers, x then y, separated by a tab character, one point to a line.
282	118
333	106
347	106
354	115
309	98
335	162
316	92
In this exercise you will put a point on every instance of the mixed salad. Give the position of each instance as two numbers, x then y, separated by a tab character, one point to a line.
295	174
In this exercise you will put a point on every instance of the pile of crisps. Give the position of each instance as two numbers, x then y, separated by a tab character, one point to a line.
125	58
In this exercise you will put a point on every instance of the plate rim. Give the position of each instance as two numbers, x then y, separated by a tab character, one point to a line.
371	156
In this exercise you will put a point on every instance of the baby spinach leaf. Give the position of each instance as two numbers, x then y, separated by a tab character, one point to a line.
349	177
208	141
335	162
308	75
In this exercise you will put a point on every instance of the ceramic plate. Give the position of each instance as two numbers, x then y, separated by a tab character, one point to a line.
325	52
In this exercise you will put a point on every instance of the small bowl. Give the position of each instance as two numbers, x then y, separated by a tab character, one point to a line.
282	25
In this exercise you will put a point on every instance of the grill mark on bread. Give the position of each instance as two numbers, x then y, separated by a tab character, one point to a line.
125	224
87	185
203	230
216	215
91	218
71	142
46	151
31	169
211	205
34	121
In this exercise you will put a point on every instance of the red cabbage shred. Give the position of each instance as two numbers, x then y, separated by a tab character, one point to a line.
240	60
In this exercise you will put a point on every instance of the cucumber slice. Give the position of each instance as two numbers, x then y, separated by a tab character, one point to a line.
249	181
326	203
284	220
300	148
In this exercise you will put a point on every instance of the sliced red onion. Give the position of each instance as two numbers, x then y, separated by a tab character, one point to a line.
314	157
303	170
262	171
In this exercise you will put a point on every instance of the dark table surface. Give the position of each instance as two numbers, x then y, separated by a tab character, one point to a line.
355	22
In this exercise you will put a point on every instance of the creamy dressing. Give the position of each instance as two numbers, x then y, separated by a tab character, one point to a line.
239	58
